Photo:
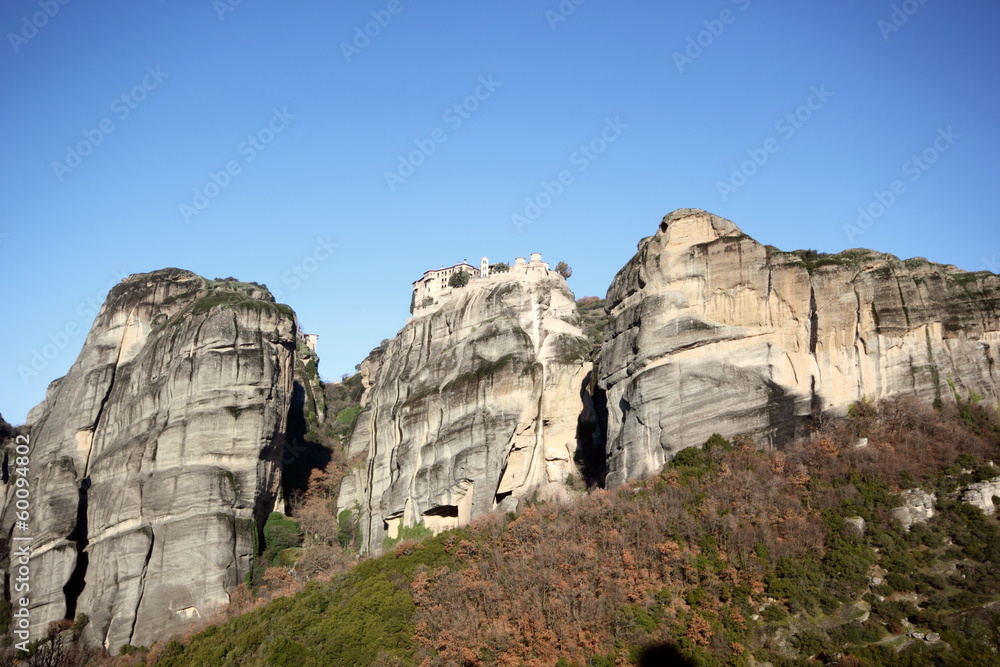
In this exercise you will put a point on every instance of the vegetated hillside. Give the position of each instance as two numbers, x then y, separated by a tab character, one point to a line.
593	316
312	540
730	552
321	420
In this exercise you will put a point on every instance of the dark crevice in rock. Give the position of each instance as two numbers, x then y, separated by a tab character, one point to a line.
497	494
813	321
80	536
902	300
781	414
857	314
591	434
815	402
301	456
370	476
142	582
78	579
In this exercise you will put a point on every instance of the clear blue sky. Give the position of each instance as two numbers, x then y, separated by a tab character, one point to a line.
310	129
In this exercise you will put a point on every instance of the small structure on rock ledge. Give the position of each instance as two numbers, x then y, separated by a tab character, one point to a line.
433	285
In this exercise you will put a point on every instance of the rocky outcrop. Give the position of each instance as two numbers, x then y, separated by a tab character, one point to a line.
917	507
475	402
981	494
156	459
855	525
710	331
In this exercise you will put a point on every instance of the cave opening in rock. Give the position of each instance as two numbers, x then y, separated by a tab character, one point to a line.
443	510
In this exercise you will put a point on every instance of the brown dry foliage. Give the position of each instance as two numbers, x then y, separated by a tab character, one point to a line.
548	584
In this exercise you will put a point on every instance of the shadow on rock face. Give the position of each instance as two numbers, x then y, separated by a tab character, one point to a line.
663	655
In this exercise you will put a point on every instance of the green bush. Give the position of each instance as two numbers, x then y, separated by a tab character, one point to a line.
717	441
893	611
900	582
460	279
865	633
348	531
798	580
774	613
691	462
809	643
81	622
632	618
281	533
846	566
348	416
417	531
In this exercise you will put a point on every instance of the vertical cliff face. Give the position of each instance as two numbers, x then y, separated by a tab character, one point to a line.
710	331
475	400
156	458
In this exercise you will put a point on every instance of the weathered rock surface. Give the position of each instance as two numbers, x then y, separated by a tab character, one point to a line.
475	401
917	507
710	331
855	525
981	495
157	457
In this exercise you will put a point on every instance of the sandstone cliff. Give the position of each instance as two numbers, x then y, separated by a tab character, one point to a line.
711	331
157	457
475	400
